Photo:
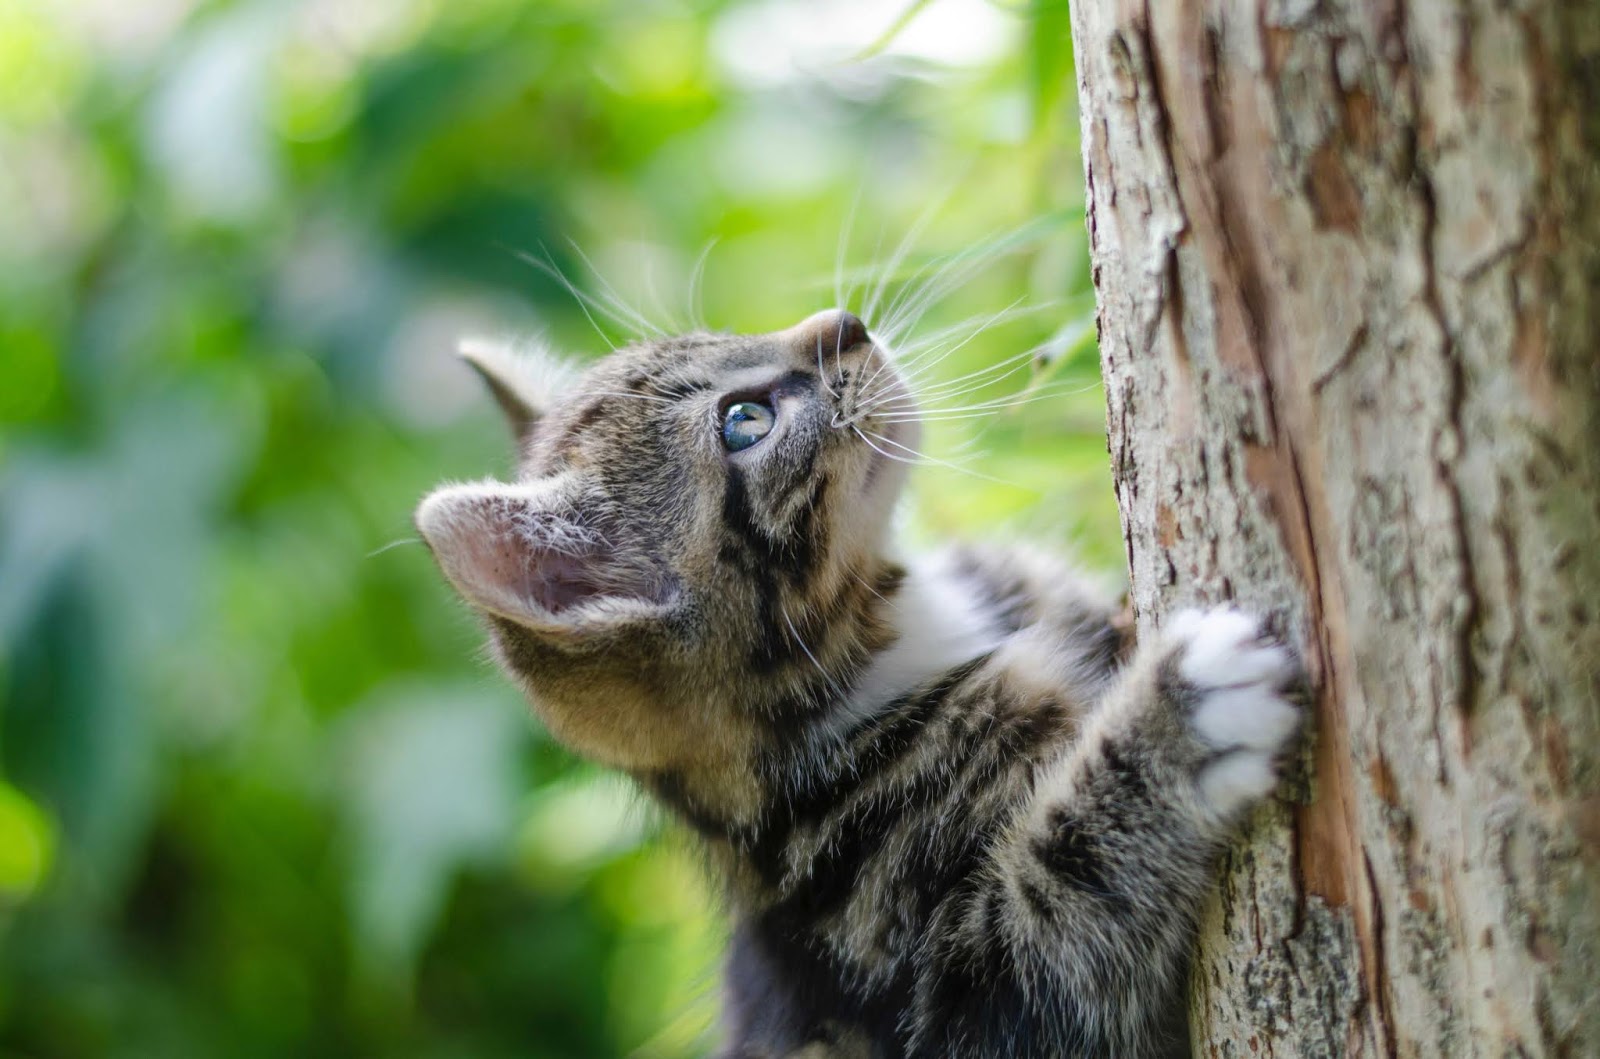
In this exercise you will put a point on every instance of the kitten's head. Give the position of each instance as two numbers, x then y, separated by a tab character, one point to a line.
695	520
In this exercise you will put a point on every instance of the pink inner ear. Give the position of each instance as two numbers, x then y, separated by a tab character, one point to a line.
556	581
507	553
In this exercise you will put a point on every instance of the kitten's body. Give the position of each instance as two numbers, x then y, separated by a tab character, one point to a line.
957	814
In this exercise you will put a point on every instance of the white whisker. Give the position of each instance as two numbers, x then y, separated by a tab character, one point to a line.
949	402
631	396
887	455
914	353
922	369
653	294
959	388
952	272
838	340
796	634
840	293
955	271
1042	393
548	267
955	383
911	350
868	586
926	458
821	373
609	295
912	455
902	250
972	381
393	544
696	276
986	414
909	376
921	292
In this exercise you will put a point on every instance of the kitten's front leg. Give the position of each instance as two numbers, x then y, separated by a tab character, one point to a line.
1097	886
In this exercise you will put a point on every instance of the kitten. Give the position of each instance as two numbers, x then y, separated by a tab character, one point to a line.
956	813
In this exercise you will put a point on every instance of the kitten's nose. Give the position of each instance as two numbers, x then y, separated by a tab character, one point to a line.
831	331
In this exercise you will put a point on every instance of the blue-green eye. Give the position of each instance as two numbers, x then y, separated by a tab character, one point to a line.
746	423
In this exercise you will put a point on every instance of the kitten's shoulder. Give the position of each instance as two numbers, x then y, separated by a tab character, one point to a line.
1062	636
1023	584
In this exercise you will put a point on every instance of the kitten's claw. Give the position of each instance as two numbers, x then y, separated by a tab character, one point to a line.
1236	673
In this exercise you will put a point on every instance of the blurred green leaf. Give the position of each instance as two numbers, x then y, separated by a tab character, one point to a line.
260	793
27	845
431	784
1050	70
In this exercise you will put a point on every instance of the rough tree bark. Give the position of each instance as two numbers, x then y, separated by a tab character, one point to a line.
1348	262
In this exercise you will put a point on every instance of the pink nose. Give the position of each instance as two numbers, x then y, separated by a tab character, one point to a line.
832	331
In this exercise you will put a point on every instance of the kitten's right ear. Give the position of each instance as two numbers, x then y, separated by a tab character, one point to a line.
525	378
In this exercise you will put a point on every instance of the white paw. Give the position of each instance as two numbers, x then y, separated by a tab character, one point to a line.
1238	780
1238	675
1224	647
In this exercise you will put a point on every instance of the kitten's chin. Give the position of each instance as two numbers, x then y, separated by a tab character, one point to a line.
895	449
890	459
908	434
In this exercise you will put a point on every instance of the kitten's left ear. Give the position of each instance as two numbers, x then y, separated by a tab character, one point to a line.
527	553
524	377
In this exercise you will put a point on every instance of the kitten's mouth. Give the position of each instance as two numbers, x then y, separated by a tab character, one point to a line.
871	390
880	412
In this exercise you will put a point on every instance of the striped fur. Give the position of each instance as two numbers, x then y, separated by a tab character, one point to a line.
957	812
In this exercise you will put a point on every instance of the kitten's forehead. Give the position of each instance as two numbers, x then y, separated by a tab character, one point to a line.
700	354
672	369
679	364
634	399
705	354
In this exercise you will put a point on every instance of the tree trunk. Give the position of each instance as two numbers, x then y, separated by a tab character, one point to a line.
1348	263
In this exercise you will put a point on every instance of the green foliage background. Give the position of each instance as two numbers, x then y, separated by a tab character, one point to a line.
260	793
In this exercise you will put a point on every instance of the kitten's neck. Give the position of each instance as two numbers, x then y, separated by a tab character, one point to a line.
929	622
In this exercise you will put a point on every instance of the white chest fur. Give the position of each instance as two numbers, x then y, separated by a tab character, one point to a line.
941	623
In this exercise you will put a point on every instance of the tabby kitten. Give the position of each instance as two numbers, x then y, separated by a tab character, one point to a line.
957	814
